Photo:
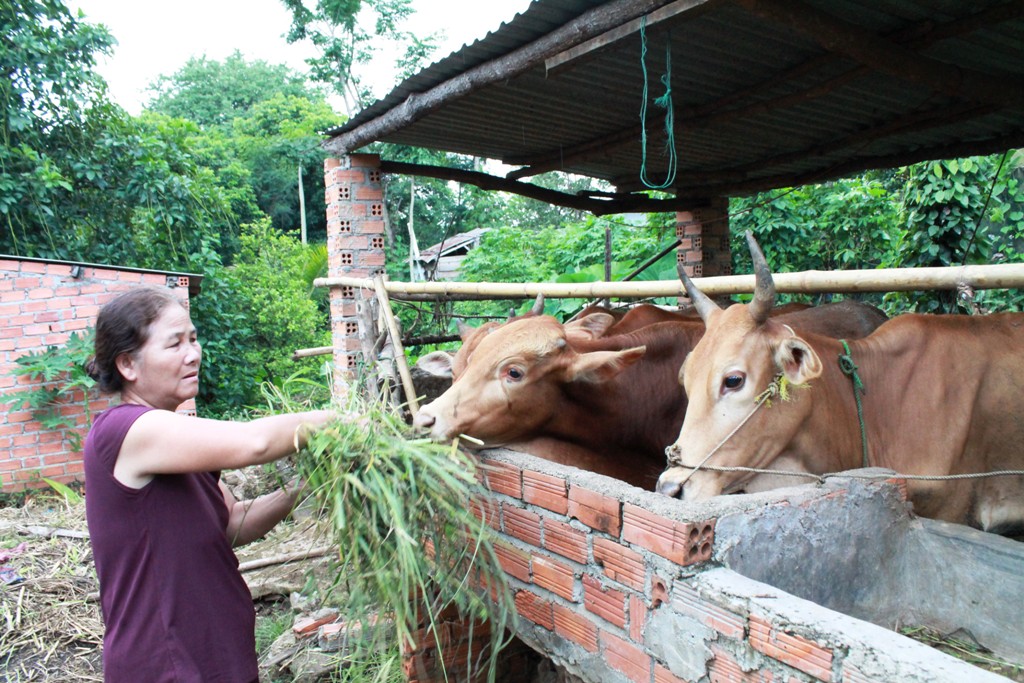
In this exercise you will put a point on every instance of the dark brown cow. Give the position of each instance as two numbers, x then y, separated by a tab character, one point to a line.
612	401
942	396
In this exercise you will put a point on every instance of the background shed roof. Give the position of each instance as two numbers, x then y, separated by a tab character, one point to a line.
766	93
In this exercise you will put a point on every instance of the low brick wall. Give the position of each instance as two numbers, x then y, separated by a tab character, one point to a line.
614	584
41	304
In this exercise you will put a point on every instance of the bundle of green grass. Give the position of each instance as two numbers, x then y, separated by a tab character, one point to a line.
411	550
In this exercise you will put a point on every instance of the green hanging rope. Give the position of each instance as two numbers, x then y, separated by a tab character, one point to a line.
849	369
665	102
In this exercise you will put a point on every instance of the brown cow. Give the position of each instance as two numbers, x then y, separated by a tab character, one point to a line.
613	399
941	396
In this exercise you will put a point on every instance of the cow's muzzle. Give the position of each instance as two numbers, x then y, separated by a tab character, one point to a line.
670	483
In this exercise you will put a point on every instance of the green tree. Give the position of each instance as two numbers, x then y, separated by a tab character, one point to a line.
276	301
276	138
212	93
844	224
51	102
959	211
259	124
79	178
334	28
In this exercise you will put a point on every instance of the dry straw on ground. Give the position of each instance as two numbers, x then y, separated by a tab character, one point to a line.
52	629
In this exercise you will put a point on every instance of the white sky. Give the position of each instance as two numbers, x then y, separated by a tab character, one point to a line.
157	38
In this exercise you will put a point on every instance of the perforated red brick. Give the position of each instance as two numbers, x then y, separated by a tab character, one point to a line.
557	577
626	657
513	561
607	603
488	510
663	675
620	564
521	524
595	510
536	609
503	478
561	538
724	669
683	543
575	627
791	649
637	618
549	492
687	601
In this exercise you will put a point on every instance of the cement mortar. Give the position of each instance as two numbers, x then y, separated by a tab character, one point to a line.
864	554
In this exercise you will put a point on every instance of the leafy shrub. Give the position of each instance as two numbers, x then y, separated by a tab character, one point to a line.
58	374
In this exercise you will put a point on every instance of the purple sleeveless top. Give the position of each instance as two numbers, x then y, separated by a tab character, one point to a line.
175	606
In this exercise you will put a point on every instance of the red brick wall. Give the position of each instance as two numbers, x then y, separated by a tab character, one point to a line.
355	247
592	571
704	240
41	304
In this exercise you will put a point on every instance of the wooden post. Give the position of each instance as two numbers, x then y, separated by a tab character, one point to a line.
396	340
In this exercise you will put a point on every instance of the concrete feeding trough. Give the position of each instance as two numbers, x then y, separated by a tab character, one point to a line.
808	583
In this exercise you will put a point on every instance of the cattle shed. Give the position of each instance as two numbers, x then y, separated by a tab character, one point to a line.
800	584
613	583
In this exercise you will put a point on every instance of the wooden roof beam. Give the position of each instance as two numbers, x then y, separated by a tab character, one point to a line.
584	27
694	194
887	57
918	36
602	41
599	207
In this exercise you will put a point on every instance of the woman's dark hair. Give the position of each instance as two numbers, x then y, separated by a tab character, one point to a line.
123	327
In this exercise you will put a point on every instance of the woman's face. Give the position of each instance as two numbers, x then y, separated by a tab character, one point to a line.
164	372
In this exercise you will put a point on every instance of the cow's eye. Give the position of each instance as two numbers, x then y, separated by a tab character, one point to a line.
514	373
733	381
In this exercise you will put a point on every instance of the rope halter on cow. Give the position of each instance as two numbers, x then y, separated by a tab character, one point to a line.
779	386
849	369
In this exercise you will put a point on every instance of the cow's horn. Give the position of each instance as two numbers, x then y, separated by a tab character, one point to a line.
538	305
764	292
704	306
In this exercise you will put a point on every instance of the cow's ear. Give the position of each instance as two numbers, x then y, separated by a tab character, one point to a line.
465	330
436	363
601	366
797	360
589	327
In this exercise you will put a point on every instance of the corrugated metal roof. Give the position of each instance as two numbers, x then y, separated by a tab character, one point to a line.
766	93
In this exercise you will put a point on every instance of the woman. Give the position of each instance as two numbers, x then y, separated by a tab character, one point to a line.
161	523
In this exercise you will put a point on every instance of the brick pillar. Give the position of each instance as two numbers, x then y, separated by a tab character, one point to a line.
704	239
355	248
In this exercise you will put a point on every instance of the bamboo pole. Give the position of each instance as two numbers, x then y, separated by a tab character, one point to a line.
315	351
403	366
1000	276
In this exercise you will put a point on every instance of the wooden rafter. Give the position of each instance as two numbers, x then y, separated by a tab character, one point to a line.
887	57
727	108
951	151
584	27
599	207
932	118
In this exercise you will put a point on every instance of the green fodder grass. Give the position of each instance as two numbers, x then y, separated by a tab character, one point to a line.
413	551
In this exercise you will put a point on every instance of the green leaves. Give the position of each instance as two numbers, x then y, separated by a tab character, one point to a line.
58	378
407	529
